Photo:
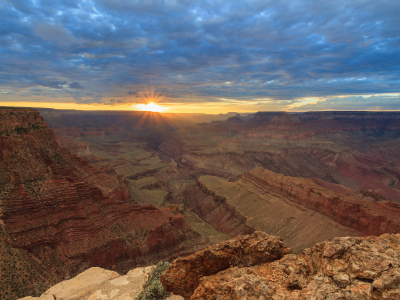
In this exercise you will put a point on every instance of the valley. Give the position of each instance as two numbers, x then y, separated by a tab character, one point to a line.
205	168
128	189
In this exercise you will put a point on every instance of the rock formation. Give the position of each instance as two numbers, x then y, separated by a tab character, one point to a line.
183	276
301	211
100	284
345	268
215	210
59	215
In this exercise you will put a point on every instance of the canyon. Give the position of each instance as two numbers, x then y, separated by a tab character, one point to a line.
359	150
209	169
120	190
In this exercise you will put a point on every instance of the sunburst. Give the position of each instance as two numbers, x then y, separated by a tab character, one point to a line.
151	107
152	99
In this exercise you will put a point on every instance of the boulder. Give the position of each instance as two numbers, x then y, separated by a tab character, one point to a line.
183	275
345	268
81	285
98	284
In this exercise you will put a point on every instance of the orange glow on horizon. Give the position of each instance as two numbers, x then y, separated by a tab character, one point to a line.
151	103
151	107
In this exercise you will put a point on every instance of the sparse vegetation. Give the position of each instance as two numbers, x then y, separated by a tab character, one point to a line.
392	183
153	289
59	159
21	130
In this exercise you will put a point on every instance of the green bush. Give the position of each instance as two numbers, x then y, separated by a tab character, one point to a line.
153	289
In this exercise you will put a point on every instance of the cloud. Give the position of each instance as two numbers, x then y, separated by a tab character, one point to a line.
75	85
54	84
188	50
55	34
373	102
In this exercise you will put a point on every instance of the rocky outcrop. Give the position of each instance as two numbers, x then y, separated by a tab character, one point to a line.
183	276
79	286
345	268
100	284
59	215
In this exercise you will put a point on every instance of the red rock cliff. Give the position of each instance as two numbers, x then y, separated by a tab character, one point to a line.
366	217
59	215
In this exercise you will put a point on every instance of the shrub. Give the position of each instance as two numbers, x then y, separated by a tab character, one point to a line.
153	289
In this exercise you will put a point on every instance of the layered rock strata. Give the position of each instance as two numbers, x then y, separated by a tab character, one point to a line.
345	268
365	217
215	210
301	211
359	150
59	215
183	276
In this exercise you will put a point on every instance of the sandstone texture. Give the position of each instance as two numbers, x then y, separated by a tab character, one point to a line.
99	284
59	215
344	268
183	275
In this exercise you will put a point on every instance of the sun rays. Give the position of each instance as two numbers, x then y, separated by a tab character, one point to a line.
151	107
151	103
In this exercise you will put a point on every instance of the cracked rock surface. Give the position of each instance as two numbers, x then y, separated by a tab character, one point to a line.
99	284
344	268
183	275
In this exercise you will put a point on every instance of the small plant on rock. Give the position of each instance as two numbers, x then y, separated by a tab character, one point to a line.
153	289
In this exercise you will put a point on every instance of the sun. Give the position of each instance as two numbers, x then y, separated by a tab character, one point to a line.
152	99
151	107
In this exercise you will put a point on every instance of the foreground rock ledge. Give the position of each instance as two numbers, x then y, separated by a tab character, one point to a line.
183	275
100	284
345	268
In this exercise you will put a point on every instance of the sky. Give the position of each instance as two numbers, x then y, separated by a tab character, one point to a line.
201	56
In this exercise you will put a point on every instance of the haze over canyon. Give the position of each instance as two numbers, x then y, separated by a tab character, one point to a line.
120	190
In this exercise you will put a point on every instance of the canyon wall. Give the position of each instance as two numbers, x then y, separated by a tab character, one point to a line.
59	215
366	217
301	211
215	210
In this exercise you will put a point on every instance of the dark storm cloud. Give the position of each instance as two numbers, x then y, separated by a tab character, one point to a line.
201	49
